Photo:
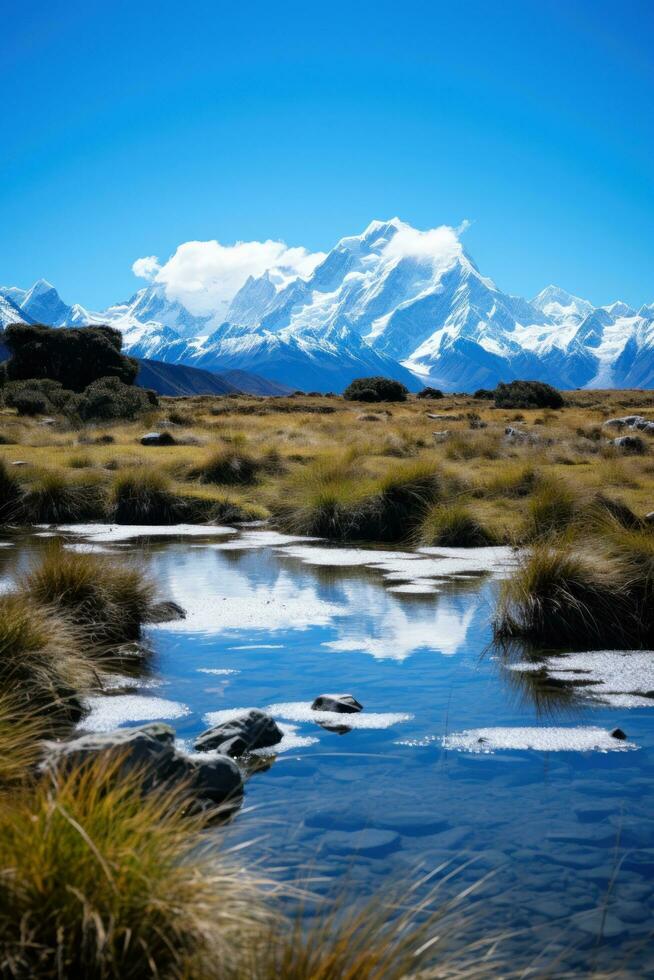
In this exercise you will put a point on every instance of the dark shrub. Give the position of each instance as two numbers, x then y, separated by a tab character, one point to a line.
108	398
430	393
527	394
36	396
484	393
73	356
376	389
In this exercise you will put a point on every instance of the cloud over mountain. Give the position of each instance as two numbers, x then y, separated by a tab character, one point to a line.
205	276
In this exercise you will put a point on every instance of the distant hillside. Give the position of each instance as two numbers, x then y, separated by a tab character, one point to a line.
180	379
254	384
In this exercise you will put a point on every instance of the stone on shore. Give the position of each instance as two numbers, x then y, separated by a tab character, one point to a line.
150	750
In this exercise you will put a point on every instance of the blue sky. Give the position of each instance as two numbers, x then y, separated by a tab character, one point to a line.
129	128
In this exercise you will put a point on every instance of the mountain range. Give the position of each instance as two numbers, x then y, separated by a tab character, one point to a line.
393	301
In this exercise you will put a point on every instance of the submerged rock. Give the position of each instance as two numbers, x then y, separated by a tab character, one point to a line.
150	749
251	730
157	439
166	612
344	703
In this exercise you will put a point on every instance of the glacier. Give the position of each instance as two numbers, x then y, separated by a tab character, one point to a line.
392	300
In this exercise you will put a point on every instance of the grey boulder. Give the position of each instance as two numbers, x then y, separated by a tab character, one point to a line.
166	612
629	444
251	730
157	439
342	703
151	751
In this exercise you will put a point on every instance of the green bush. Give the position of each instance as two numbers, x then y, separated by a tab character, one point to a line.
527	394
38	396
73	356
108	398
376	389
430	393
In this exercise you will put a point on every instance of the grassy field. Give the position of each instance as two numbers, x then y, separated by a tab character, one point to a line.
102	882
340	468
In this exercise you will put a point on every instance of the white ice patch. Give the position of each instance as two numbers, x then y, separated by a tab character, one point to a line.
107	712
621	678
411	568
250	540
579	739
302	711
415	588
218	671
81	548
126	532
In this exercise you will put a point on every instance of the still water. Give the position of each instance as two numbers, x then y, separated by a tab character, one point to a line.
560	812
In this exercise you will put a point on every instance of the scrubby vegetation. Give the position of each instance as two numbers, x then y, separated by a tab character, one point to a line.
527	394
376	389
72	356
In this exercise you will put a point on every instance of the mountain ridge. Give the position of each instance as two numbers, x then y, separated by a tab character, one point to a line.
393	300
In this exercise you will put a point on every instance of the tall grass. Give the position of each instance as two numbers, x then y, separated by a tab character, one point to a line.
54	498
10	495
42	662
454	525
333	498
107	601
144	496
230	467
565	597
100	881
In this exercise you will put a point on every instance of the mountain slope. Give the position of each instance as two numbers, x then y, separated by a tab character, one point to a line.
394	301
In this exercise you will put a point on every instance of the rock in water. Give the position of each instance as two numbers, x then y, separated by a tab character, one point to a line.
150	749
344	703
251	730
618	733
166	612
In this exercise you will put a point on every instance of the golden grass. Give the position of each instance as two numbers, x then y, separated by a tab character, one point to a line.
101	881
294	445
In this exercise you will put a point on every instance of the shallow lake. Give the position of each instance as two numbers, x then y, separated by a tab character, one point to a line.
543	797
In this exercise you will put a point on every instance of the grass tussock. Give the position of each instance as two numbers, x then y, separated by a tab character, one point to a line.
10	495
550	509
144	496
100	881
41	658
107	601
54	498
333	498
230	467
455	526
600	594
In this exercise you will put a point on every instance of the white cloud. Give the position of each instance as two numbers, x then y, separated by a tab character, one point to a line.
205	276
147	267
441	245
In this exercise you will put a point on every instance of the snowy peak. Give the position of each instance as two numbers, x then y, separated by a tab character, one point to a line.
392	300
44	304
561	305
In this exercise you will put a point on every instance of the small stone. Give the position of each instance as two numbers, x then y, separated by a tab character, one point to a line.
157	439
251	730
618	733
166	612
343	703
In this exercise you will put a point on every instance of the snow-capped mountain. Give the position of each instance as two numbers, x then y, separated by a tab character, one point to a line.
393	300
